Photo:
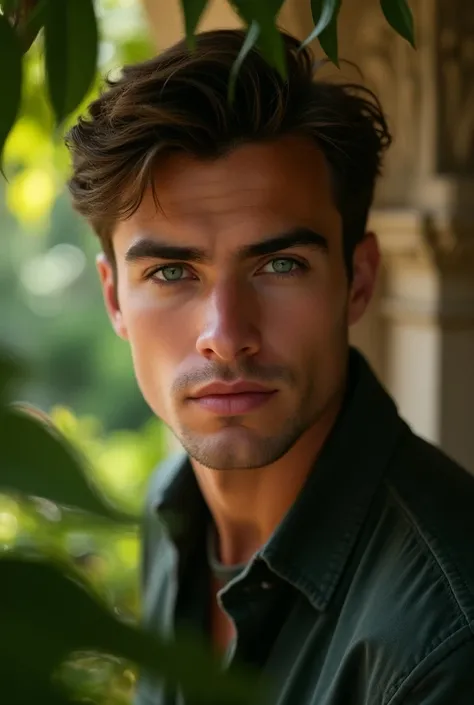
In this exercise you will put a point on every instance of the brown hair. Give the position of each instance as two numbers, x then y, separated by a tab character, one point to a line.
178	101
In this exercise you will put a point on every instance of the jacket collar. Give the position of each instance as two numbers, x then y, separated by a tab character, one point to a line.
312	545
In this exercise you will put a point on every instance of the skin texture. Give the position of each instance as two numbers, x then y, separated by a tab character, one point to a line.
279	318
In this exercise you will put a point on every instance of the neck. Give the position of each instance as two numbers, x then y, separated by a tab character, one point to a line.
248	505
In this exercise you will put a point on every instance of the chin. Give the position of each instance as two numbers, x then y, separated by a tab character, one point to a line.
235	448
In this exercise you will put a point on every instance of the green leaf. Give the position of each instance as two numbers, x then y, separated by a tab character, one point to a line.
328	38
46	616
37	461
247	46
399	15
264	14
322	12
11	371
8	6
71	49
30	27
192	11
325	16
10	80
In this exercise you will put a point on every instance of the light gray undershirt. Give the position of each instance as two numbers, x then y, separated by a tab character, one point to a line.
223	573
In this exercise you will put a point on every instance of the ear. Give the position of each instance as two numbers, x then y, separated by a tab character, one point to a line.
366	261
108	280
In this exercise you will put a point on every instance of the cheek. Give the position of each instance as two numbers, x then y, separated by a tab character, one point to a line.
304	317
153	323
160	339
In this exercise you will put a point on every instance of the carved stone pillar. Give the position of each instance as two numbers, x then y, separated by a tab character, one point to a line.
426	315
425	213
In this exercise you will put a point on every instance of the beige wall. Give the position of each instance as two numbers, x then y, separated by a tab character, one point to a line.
166	19
167	22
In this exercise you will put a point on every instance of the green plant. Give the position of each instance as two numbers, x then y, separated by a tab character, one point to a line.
47	610
120	461
71	41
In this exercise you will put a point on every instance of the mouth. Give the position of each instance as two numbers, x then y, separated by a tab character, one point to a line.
232	399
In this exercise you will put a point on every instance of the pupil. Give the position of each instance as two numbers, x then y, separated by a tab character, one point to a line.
172	273
282	265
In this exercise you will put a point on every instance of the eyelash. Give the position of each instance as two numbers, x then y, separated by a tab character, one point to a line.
301	267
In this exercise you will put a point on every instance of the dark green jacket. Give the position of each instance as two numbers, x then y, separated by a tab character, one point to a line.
364	595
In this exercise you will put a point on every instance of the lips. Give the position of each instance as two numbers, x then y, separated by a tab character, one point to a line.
221	388
232	399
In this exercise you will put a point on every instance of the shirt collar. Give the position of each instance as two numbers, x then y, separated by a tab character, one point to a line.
312	545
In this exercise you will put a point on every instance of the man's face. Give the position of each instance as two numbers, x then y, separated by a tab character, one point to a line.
237	280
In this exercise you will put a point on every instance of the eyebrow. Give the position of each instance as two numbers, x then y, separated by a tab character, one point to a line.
150	248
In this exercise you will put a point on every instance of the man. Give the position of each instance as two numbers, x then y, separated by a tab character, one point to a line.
319	540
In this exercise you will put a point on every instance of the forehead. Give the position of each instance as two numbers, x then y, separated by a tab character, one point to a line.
253	190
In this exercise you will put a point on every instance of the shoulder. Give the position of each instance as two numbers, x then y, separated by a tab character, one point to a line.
419	546
444	677
412	577
436	498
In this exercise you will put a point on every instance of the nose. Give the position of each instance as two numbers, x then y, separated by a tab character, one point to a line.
229	331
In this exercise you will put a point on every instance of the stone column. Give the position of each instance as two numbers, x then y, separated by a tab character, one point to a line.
426	315
425	215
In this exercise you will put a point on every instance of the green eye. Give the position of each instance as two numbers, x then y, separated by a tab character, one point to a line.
282	266
171	273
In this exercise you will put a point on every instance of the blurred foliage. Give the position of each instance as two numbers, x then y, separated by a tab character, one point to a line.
120	461
64	618
103	554
51	314
50	301
48	466
69	571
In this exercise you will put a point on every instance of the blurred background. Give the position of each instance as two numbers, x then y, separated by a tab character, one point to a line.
418	335
51	310
51	315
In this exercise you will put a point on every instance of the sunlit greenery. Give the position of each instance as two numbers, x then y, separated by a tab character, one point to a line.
35	156
120	461
51	313
103	554
50	303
